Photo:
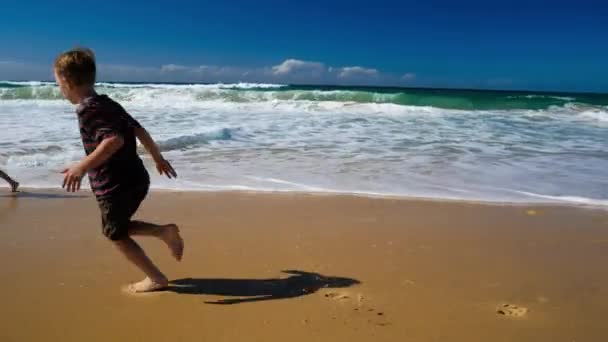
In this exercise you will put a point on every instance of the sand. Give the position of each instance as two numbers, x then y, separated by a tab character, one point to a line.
360	269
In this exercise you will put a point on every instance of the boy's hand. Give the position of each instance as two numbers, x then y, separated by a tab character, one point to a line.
164	167
72	178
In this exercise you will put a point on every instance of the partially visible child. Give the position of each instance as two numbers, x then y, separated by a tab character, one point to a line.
14	184
117	175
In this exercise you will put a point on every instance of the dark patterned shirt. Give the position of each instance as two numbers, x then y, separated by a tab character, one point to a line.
99	118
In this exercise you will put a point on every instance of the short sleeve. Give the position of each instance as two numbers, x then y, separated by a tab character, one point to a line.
105	127
104	118
130	121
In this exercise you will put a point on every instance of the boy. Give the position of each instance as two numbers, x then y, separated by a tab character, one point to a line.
117	175
14	185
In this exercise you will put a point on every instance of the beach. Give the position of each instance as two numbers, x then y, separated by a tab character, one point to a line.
307	267
327	171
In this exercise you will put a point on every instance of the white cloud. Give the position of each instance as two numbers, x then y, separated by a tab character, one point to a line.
290	71
119	73
291	66
357	71
173	68
202	68
410	76
14	70
125	68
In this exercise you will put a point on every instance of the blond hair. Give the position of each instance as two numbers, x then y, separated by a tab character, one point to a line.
77	66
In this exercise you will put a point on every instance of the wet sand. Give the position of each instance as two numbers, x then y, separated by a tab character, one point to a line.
362	269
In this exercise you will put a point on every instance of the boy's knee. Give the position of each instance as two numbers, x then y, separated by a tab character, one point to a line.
123	244
115	232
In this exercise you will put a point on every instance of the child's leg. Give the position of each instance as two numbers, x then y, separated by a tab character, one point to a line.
116	213
168	233
155	279
14	185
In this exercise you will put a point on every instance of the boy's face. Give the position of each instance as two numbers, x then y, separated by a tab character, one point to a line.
66	90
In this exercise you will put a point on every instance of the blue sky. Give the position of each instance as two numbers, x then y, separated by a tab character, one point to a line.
545	45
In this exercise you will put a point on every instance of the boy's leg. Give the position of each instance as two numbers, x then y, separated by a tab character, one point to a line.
13	183
155	279
117	226
115	218
168	233
4	176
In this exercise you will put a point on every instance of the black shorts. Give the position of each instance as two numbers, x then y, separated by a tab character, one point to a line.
117	210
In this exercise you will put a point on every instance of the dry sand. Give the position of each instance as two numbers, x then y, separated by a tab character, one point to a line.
364	269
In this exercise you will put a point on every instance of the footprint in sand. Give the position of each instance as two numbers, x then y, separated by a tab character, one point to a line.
373	316
337	295
358	299
512	310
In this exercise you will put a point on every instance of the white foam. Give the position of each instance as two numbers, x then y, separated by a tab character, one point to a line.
568	199
595	115
278	183
220	138
193	86
28	83
243	85
563	98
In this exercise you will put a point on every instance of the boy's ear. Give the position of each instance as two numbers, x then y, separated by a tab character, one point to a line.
63	80
67	84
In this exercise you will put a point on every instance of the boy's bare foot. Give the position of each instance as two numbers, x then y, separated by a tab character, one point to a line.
173	240
14	186
148	285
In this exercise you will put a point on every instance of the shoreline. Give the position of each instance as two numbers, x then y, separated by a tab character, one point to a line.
565	204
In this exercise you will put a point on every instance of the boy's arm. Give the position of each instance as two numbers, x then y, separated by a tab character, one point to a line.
162	165
103	152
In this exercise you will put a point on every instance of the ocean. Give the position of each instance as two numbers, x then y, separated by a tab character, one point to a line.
488	146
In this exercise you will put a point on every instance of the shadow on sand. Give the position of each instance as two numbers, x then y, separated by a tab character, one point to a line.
298	284
40	195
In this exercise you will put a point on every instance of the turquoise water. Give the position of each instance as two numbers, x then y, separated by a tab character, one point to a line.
440	98
456	144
